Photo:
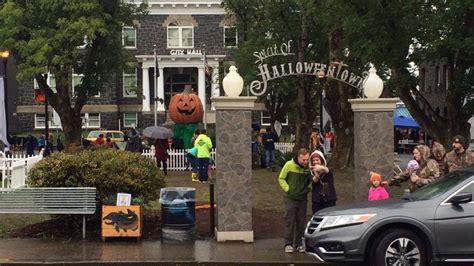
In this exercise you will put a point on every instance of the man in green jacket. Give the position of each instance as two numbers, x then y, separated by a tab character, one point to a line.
294	180
203	145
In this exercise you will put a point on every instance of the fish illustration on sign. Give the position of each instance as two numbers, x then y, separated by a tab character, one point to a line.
121	220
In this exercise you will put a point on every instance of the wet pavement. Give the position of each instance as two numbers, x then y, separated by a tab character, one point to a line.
39	251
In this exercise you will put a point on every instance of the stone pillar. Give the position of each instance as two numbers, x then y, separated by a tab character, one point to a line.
146	90
373	141
234	168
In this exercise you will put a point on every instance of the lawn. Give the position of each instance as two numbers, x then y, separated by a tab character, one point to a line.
267	198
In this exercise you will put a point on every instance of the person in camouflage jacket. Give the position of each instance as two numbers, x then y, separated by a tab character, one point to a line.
425	174
458	157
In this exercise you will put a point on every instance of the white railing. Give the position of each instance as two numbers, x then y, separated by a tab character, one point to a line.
284	147
177	158
15	168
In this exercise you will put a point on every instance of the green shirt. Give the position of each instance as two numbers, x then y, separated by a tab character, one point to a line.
203	144
294	180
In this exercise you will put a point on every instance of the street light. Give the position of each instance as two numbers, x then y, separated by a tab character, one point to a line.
320	76
4	55
233	83
373	85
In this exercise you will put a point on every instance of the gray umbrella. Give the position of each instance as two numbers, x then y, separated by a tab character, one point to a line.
158	132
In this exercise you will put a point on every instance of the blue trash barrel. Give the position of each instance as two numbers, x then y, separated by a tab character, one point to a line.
178	214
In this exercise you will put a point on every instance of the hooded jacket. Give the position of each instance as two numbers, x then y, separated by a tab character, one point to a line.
323	190
293	179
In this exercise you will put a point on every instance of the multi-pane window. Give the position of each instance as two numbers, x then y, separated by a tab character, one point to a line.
230	36
129	37
180	35
90	120
265	119
40	121
130	120
130	82
76	81
51	81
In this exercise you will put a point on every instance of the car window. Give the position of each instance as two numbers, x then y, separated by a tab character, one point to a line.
93	134
108	135
117	135
468	189
440	186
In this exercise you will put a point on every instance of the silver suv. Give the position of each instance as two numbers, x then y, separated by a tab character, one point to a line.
435	223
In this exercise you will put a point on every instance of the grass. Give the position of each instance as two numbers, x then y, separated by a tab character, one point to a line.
267	195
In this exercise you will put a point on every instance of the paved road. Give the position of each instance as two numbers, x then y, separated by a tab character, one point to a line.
39	251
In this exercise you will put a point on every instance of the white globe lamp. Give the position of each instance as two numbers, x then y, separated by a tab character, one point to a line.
233	83
373	85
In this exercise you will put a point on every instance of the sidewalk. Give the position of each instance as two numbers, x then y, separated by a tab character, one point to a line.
39	251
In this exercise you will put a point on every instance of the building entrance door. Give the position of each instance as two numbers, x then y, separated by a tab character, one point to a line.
176	79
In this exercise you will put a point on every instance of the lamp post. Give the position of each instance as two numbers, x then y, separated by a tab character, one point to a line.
373	85
4	55
320	75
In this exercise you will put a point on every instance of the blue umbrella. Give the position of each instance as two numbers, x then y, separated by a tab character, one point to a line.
404	122
255	127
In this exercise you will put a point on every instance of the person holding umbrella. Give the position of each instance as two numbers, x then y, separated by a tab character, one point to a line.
161	136
161	154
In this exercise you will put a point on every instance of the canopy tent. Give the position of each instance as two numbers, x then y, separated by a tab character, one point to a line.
404	122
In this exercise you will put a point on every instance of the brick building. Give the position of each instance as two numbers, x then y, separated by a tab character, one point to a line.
182	32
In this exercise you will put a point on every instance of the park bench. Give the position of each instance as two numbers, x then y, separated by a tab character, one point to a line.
58	200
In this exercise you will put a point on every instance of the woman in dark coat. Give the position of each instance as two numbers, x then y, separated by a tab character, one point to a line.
323	190
161	154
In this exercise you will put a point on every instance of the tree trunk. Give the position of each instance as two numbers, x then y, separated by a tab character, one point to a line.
340	110
441	129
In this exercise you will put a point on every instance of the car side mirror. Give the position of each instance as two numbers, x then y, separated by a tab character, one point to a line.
463	197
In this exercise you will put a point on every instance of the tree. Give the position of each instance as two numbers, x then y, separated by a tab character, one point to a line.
394	35
59	37
262	24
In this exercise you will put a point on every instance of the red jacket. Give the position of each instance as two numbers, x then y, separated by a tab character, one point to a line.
161	148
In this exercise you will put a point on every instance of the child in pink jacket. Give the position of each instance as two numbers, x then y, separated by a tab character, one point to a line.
377	190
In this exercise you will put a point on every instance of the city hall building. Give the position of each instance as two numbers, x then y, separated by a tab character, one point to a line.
180	32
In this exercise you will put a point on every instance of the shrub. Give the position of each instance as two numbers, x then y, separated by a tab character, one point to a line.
282	158
109	170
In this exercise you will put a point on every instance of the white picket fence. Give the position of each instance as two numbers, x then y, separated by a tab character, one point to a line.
177	158
14	169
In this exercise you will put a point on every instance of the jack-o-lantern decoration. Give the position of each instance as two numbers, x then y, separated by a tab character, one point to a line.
185	107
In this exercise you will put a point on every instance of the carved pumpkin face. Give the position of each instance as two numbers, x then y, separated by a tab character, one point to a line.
185	108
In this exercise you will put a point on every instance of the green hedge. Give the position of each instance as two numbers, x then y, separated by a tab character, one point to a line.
109	170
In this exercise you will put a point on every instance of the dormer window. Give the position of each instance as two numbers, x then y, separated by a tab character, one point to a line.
180	35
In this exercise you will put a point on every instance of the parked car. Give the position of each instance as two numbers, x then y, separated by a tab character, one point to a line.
114	135
433	224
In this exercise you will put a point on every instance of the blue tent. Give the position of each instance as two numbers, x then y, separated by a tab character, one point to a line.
404	122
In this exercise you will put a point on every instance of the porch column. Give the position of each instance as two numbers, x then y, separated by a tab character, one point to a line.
234	168
145	90
161	91
373	141
202	87
214	84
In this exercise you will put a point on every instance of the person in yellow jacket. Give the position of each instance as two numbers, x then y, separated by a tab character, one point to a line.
203	144
295	179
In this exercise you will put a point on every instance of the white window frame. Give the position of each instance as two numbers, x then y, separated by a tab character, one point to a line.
130	125
48	81
180	36
124	89
72	85
40	123
134	40
86	118
236	36
265	119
